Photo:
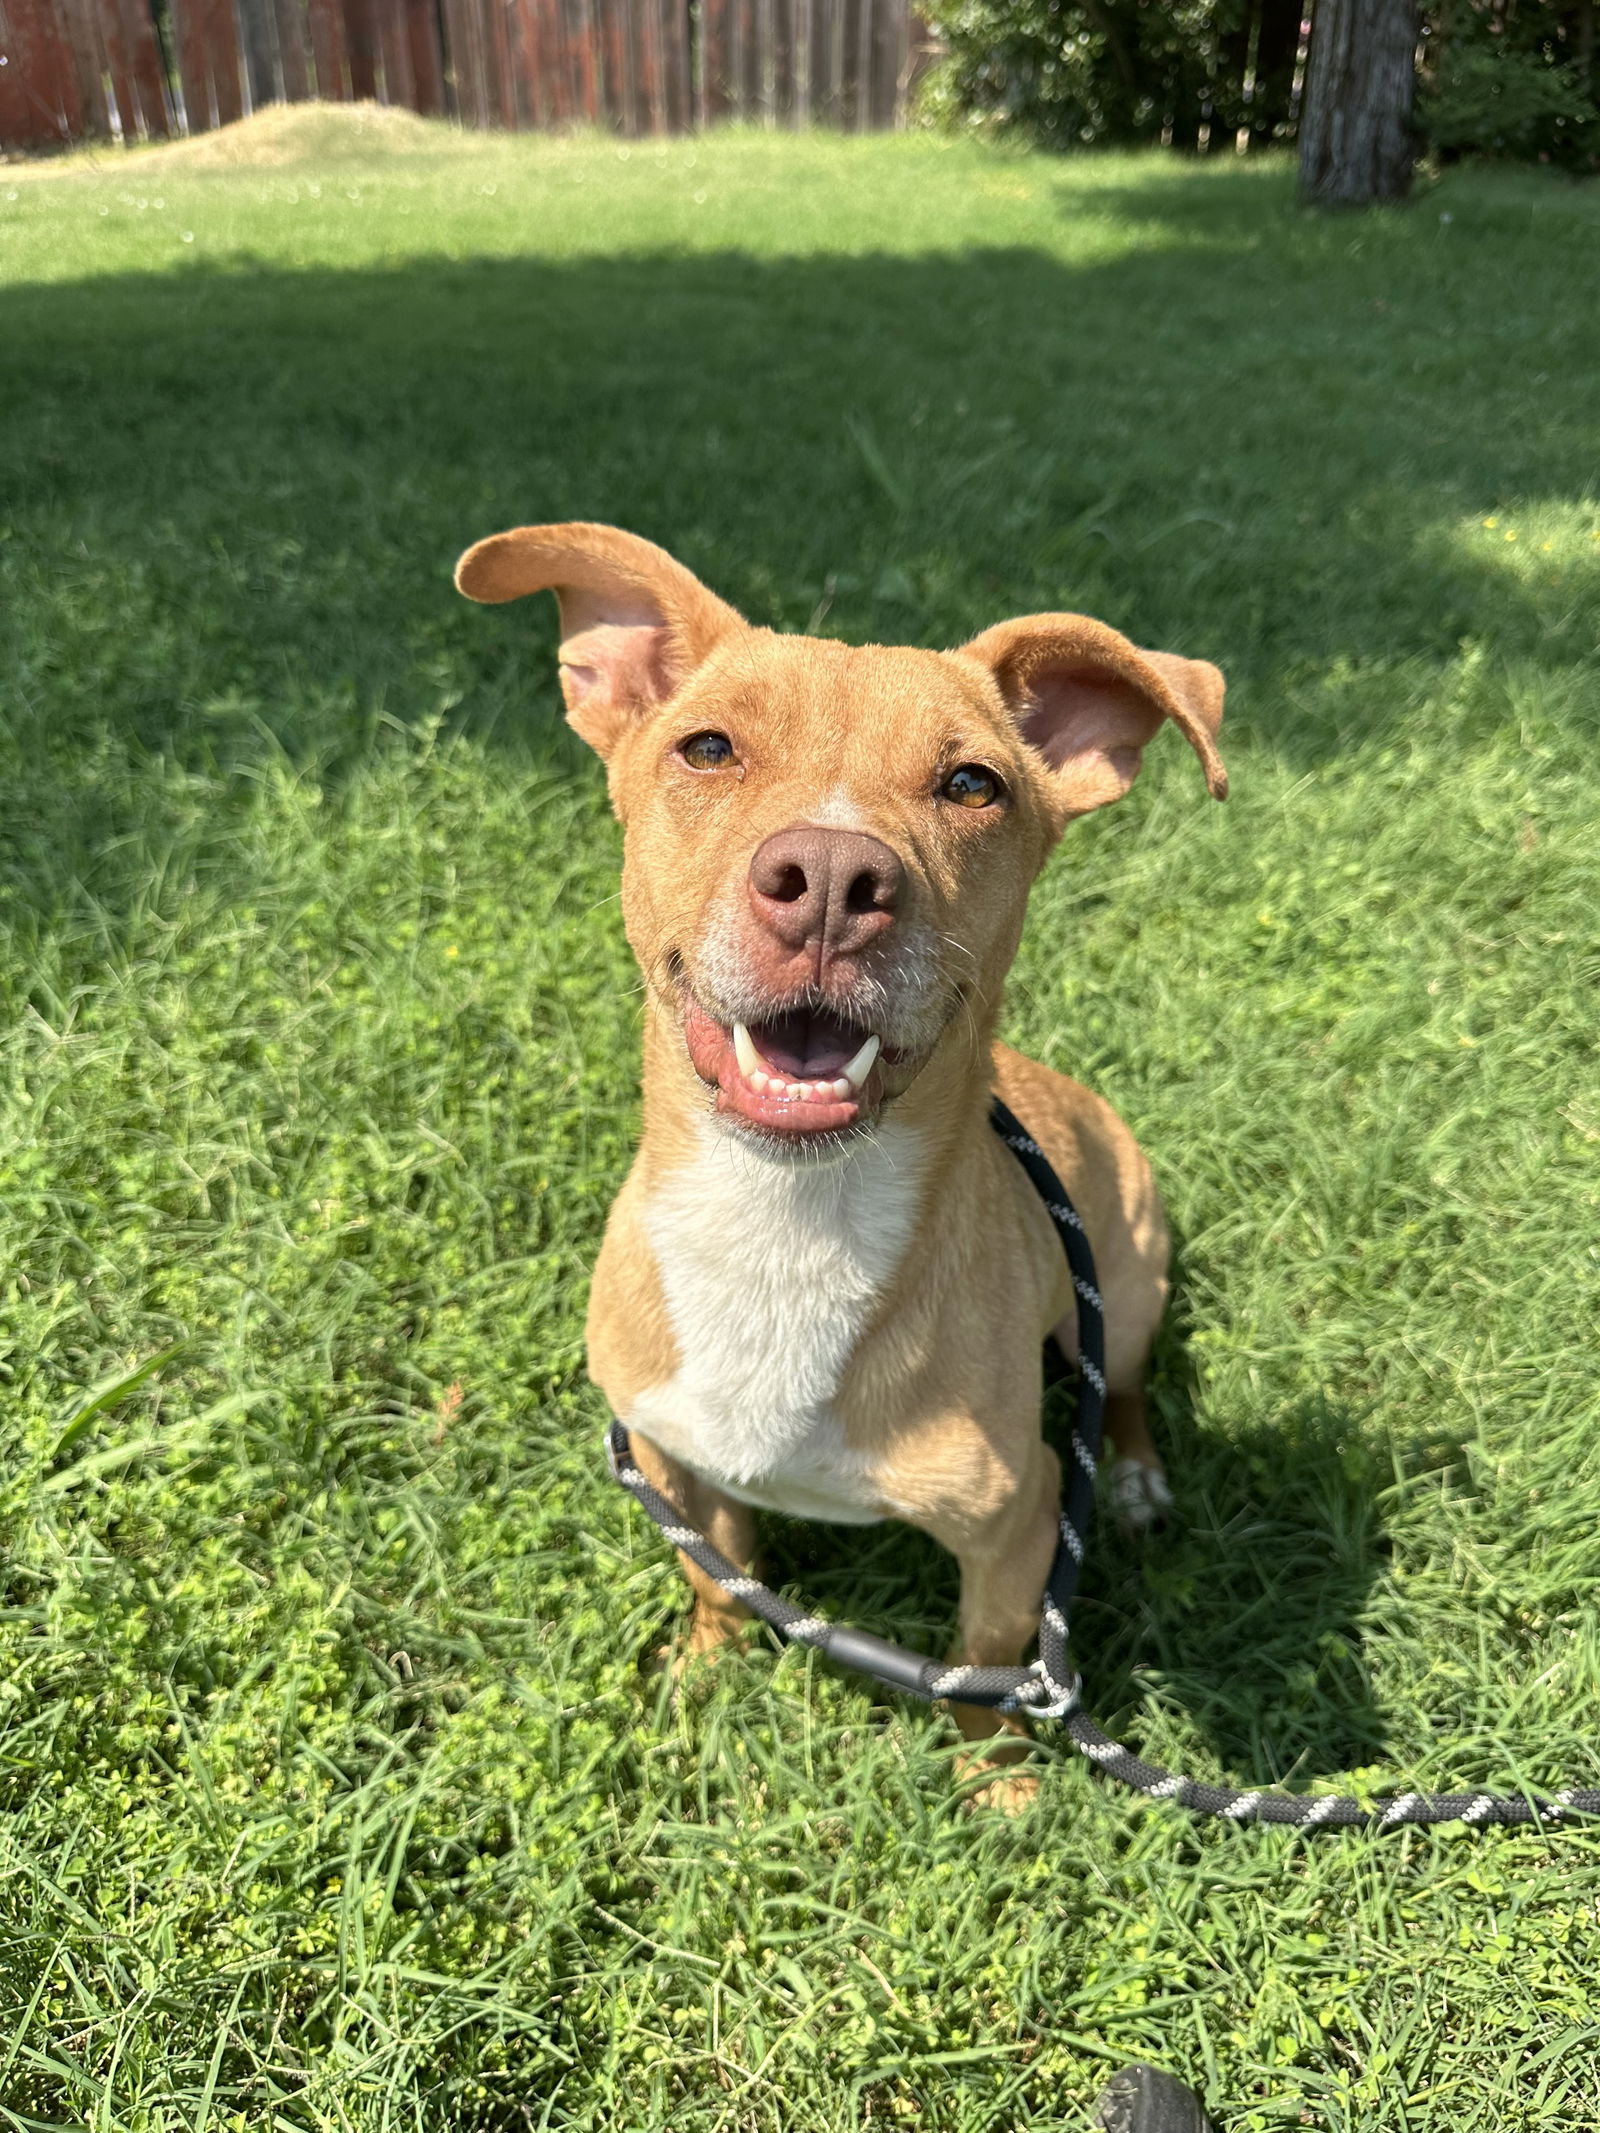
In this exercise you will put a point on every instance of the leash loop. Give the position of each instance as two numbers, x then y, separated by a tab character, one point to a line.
1051	1686
1062	1700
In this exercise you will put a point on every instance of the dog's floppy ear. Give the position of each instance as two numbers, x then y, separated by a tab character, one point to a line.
634	623
1090	702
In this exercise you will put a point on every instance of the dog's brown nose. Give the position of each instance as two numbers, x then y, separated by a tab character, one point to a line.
830	890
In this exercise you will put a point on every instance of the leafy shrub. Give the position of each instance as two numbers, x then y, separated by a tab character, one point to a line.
1500	77
1493	97
1073	73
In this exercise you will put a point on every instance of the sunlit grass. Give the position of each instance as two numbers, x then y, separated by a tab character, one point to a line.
337	1796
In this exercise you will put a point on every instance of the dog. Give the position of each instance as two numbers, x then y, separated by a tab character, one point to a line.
825	1284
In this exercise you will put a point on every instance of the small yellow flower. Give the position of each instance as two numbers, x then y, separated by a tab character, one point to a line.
1510	536
1491	522
1545	547
452	949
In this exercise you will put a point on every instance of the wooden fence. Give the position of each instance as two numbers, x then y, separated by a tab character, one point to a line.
75	69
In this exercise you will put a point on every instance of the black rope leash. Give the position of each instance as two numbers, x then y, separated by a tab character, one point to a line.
1049	1688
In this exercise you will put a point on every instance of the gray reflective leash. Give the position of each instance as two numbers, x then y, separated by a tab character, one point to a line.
1049	1687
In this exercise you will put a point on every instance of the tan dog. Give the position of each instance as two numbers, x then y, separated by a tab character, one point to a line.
825	1284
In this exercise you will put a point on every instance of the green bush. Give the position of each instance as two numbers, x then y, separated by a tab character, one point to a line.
1071	75
1493	97
1499	78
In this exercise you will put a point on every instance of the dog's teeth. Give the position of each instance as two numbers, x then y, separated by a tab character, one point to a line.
761	1078
861	1066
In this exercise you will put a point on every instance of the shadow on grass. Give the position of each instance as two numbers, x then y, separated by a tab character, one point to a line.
1244	1615
231	497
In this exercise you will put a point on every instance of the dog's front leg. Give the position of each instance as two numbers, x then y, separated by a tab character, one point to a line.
1004	1564
728	1525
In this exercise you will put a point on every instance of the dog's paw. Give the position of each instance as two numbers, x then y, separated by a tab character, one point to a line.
997	1772
1140	1500
1007	1792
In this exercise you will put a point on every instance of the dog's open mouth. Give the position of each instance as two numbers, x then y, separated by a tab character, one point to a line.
809	1071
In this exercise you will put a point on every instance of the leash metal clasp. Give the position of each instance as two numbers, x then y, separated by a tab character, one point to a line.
1059	1705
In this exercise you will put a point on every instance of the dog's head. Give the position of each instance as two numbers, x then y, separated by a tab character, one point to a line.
828	847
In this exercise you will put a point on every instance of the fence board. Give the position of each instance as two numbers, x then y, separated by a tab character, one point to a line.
451	47
79	25
393	54
547	66
840	61
502	60
611	49
189	53
565	56
424	57
713	92
325	30
208	62
680	69
757	59
649	106
523	21
227	62
257	41
134	60
586	32
294	61
819	95
885	86
785	60
119	73
471	17
464	43
41	98
361	48
642	67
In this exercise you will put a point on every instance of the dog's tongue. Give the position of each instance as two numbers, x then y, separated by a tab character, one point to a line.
807	1045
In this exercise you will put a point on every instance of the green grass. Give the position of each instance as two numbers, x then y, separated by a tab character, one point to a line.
336	1797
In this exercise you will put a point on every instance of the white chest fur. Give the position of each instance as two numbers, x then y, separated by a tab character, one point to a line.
772	1269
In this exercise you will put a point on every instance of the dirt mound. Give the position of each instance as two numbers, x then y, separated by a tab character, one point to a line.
305	133
279	135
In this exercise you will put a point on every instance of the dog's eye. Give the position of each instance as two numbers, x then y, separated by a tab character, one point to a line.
706	751
970	785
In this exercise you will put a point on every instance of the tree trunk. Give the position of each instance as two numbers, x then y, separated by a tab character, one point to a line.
1356	142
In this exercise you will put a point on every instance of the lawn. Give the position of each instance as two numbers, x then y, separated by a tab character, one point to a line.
337	1794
